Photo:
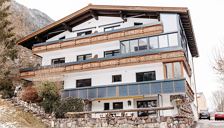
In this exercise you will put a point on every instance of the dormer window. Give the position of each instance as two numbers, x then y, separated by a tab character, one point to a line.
111	28
84	33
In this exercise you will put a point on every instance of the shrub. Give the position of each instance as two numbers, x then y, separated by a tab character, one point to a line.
30	94
49	94
6	88
68	105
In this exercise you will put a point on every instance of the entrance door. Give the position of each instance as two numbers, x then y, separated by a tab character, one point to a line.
146	104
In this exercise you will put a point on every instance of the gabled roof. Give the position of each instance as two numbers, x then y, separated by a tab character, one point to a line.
93	11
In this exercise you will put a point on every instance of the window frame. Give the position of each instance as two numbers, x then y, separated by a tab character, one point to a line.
80	33
143	75
111	27
173	73
122	105
113	52
52	60
82	80
113	80
84	57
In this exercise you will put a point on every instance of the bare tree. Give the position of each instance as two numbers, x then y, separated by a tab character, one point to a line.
218	66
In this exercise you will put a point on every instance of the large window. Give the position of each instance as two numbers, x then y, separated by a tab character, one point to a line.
147	43
146	104
145	76
58	61
111	53
173	70
118	105
111	28
83	83
84	33
84	57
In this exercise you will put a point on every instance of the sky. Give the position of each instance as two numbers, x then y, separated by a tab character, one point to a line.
207	18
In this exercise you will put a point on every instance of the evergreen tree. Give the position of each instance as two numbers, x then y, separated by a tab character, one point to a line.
8	52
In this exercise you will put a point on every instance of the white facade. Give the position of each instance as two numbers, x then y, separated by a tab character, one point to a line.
103	77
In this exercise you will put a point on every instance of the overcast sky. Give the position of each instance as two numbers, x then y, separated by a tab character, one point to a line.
208	23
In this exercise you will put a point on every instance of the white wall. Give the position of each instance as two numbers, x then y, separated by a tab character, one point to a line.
104	76
71	54
103	20
169	21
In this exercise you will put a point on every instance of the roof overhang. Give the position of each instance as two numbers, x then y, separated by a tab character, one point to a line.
93	11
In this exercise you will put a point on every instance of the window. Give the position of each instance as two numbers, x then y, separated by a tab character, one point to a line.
173	70
145	76
106	106
173	39
146	104
163	41
125	47
137	23
83	83
84	57
111	28
153	42
118	105
116	78
111	53
134	45
84	33
58	61
61	38
143	44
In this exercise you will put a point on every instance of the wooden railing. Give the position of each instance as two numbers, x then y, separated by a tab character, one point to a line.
121	34
173	54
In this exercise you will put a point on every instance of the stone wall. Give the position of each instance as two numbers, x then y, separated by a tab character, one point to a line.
106	122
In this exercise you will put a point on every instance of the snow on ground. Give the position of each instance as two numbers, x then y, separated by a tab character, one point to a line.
14	117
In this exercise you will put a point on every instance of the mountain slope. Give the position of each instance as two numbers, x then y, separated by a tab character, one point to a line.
27	20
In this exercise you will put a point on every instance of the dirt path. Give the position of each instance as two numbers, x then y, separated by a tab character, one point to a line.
13	117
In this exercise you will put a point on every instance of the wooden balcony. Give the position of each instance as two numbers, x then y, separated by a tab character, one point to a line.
165	55
128	90
120	34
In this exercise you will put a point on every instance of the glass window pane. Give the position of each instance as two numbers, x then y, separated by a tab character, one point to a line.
144	89
92	93
73	93
155	88
177	70
163	42
101	92
153	42
133	90
143	44
179	86
168	87
125	47
88	56
169	72
123	90
111	91
83	94
134	45
173	39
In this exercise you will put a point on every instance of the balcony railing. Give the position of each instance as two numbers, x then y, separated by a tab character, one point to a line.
129	89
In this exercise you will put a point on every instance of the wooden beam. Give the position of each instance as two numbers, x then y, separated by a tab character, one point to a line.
123	16
94	15
67	27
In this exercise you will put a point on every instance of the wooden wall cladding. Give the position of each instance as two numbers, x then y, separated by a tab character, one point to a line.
127	34
151	58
